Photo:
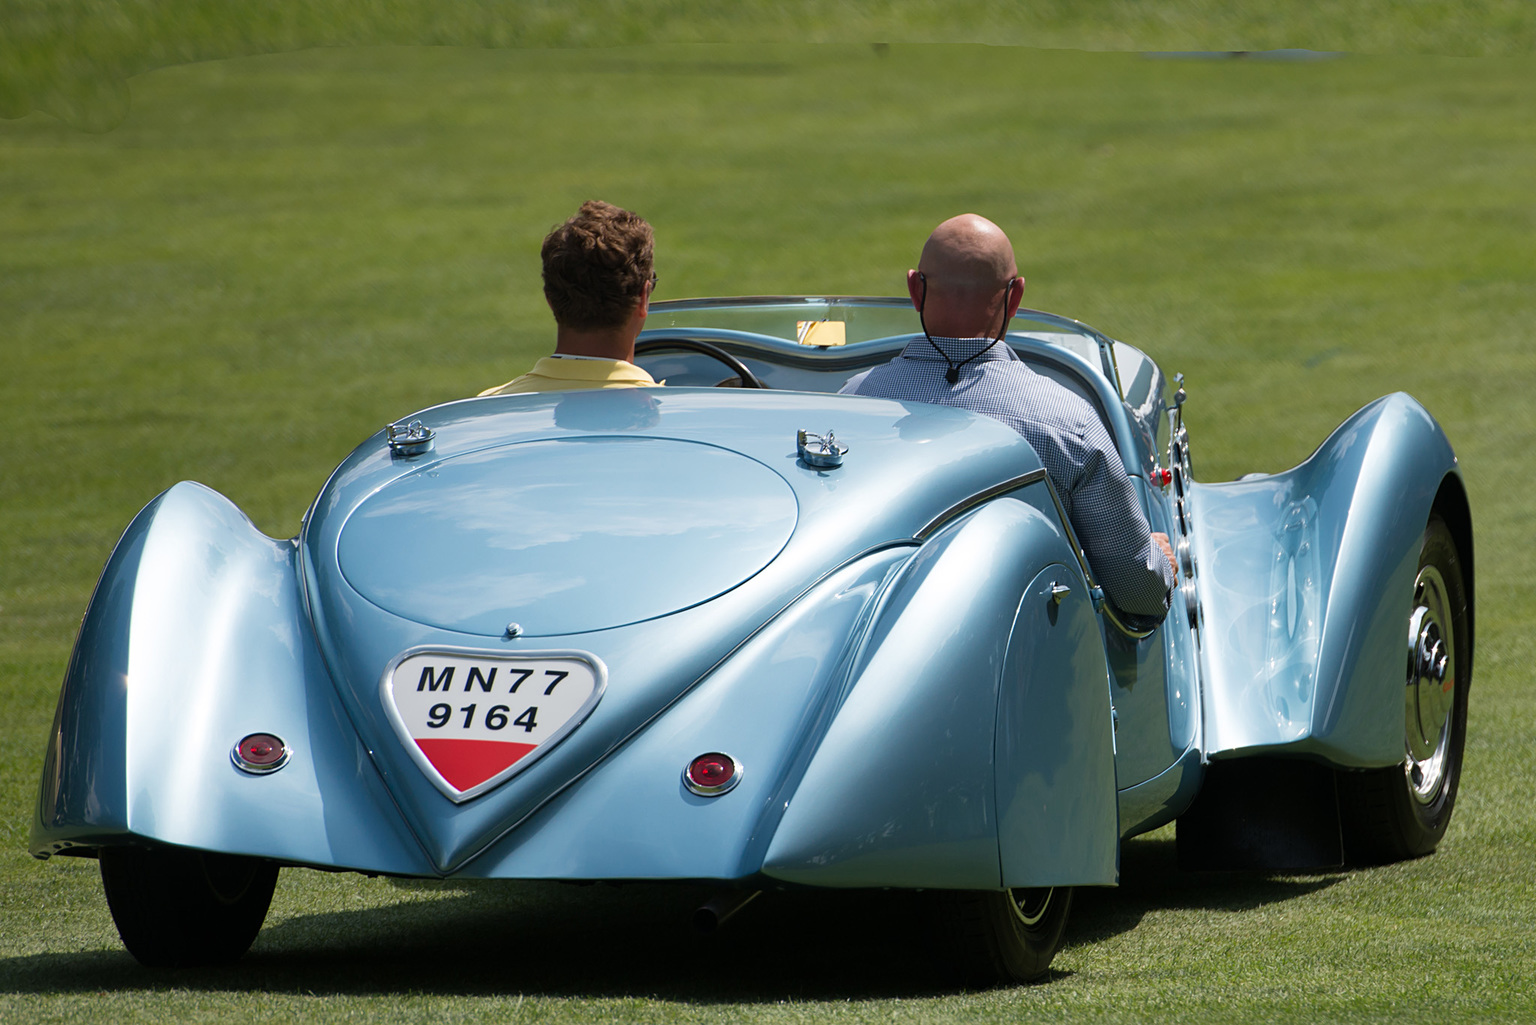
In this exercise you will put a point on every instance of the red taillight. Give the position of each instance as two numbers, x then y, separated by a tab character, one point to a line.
260	753
710	775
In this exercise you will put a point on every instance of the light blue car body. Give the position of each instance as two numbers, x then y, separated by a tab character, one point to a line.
903	653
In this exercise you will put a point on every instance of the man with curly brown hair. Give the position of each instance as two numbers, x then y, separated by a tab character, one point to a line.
598	277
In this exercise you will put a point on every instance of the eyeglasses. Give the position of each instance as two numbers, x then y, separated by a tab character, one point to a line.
654	278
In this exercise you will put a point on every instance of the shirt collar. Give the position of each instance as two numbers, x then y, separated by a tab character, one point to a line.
591	370
959	349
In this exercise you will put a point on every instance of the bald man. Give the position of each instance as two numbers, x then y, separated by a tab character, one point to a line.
966	288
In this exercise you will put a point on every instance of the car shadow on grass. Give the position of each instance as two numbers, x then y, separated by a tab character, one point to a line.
555	940
1150	880
638	940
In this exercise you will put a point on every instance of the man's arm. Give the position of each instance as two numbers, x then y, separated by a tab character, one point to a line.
851	386
1134	566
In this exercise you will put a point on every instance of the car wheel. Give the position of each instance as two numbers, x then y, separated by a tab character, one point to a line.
1401	812
177	908
1010	936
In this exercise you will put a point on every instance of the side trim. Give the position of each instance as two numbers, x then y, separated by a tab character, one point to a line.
995	491
1100	603
1037	477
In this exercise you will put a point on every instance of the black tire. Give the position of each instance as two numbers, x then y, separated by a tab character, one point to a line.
178	908
1401	812
1009	937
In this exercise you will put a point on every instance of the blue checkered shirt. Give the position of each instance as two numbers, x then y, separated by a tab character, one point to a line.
1071	440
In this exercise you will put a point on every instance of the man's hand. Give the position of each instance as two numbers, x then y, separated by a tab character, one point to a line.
1161	540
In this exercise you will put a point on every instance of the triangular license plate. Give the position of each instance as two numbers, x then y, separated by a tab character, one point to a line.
470	721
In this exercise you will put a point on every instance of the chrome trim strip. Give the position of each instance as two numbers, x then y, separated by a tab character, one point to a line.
1111	364
660	310
1036	477
711	302
856	301
980	497
1100	602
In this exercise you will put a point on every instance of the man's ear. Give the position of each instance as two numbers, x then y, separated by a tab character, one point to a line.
1015	296
916	288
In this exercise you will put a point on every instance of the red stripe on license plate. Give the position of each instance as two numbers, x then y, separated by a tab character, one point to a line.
468	763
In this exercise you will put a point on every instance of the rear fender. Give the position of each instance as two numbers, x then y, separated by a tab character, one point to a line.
930	752
633	817
196	637
1305	579
1057	807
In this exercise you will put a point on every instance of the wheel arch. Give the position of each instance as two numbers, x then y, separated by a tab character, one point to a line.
1305	582
196	637
904	789
1452	506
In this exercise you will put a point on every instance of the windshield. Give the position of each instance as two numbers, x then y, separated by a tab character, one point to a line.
860	327
825	322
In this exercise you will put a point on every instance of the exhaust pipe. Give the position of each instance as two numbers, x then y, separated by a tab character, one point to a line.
719	909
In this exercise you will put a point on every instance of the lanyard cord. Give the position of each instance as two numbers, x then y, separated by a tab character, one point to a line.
952	375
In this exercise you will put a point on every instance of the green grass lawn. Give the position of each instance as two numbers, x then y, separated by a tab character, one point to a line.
271	257
72	57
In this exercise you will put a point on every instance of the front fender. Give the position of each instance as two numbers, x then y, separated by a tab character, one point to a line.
960	758
196	636
1305	582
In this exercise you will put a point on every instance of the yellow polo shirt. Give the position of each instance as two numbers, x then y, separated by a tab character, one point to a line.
564	373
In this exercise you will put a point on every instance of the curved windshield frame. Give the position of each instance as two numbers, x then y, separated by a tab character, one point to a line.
866	322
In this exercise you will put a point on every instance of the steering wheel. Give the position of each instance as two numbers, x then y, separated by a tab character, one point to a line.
737	367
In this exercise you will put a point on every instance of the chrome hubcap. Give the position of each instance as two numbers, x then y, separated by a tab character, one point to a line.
1431	692
1032	905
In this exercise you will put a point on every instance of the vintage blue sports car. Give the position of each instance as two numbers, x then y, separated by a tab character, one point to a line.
745	631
